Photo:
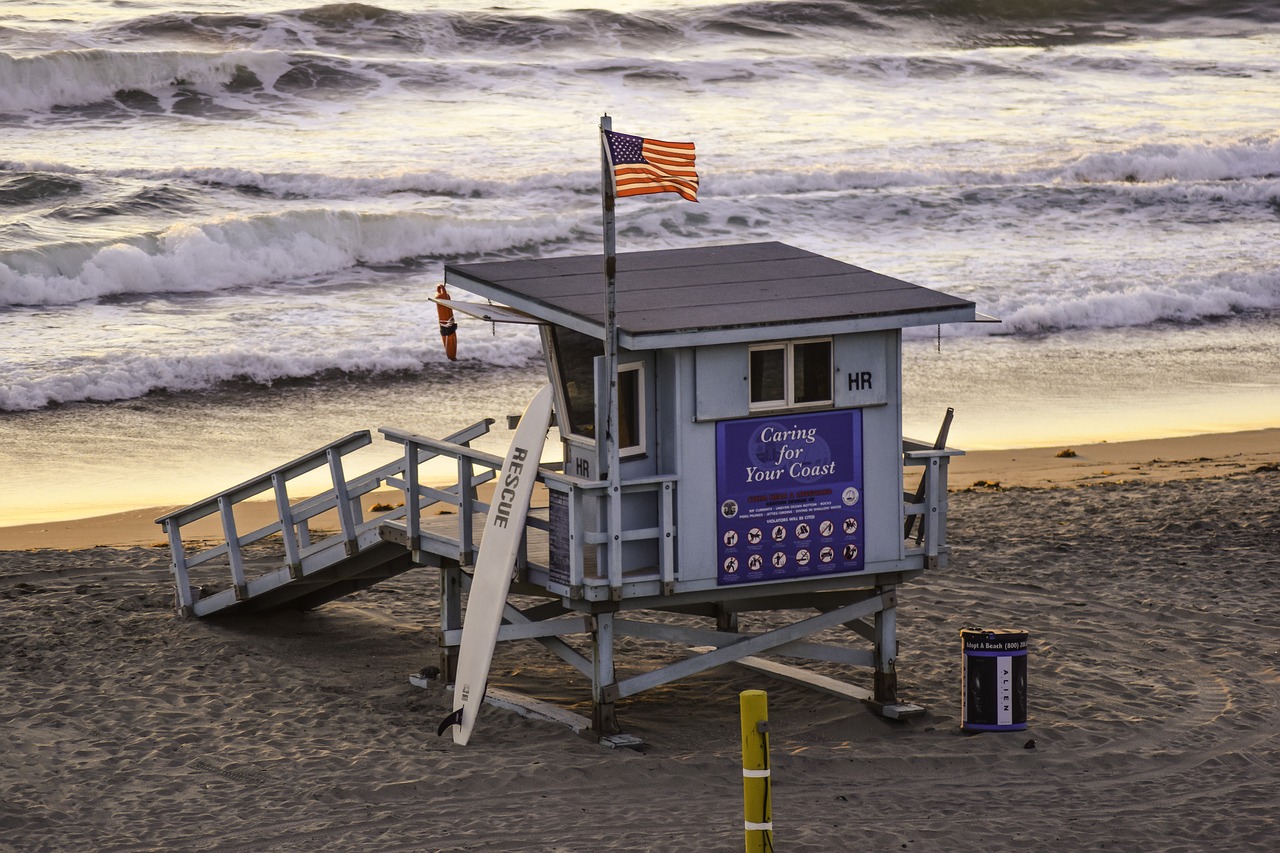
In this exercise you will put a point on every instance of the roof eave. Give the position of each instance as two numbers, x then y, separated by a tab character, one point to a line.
812	328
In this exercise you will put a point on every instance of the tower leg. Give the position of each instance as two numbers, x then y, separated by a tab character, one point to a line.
886	676
604	689
726	620
450	619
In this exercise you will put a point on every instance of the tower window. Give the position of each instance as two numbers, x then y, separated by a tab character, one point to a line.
790	374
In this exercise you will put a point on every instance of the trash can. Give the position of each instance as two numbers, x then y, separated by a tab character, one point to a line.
993	680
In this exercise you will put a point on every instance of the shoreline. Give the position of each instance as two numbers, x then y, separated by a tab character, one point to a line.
1146	460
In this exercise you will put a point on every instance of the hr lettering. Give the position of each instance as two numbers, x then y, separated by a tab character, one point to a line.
860	381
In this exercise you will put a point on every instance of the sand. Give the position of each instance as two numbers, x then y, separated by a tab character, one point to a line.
1150	594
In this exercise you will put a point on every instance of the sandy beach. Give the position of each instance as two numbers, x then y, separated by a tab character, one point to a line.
1147	573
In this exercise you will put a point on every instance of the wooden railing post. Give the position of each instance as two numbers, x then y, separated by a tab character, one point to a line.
667	547
346	518
412	502
929	501
929	524
943	502
292	555
234	556
613	531
185	599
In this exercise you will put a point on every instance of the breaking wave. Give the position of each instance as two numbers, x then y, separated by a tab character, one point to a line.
237	252
130	376
1226	294
230	64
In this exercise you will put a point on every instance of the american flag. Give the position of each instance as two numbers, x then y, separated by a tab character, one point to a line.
642	166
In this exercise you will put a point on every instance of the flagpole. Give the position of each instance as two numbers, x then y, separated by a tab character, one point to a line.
608	448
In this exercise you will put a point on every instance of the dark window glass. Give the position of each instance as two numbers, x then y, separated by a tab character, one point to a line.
628	409
575	357
768	375
812	372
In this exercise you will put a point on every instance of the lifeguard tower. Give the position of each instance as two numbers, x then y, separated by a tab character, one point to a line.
761	467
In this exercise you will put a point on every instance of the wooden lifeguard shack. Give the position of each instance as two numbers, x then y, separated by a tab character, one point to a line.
761	467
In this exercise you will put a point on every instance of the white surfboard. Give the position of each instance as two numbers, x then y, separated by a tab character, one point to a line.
491	579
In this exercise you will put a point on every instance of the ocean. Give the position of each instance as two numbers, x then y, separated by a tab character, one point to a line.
220	222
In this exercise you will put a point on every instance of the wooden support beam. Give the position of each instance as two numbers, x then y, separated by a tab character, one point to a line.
805	678
512	614
752	645
702	638
531	630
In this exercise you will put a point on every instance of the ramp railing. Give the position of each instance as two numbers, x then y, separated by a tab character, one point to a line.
929	502
295	523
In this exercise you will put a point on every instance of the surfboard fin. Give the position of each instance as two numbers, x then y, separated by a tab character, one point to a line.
454	719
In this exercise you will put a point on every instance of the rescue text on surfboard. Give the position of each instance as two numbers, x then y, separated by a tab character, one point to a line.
508	493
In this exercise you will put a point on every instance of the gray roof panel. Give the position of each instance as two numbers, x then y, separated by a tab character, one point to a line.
764	286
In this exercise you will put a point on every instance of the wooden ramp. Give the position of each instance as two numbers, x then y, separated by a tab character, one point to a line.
299	560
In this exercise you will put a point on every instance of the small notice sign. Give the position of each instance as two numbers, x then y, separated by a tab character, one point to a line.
789	490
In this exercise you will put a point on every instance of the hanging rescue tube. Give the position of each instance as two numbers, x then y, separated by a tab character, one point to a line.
448	326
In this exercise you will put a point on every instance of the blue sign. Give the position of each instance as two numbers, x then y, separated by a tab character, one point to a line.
789	491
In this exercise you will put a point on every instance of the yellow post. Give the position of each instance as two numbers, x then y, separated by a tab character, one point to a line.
757	809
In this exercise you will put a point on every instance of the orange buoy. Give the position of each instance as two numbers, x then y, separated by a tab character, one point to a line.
448	326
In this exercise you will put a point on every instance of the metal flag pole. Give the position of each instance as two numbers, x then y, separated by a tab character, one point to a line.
608	448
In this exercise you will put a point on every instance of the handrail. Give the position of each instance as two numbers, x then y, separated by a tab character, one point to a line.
930	453
443	447
302	465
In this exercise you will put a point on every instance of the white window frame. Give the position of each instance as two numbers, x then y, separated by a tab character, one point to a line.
788	378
